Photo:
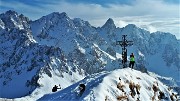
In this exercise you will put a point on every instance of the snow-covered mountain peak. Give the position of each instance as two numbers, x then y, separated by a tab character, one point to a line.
110	21
164	36
80	23
12	19
11	13
53	19
133	32
58	15
131	26
109	24
52	26
15	27
63	14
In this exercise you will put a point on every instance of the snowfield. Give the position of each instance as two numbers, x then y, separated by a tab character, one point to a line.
103	86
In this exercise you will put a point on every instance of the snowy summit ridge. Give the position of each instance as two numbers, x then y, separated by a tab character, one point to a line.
57	48
115	85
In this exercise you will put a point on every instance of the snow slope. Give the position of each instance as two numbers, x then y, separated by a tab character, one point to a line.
103	86
46	83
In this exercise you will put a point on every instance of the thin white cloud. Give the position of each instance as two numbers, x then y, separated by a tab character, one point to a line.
33	12
121	23
153	23
149	14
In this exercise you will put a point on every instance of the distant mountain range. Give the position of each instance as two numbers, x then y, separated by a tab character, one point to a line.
56	48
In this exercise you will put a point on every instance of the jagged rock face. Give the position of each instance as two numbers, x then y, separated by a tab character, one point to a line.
81	36
12	19
56	42
77	43
165	43
23	57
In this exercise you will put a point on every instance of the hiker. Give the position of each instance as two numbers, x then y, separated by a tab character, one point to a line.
55	88
82	88
132	61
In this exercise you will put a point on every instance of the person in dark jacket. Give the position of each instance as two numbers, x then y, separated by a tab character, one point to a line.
132	61
55	88
82	88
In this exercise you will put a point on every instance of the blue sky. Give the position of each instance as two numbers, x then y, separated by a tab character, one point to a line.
153	15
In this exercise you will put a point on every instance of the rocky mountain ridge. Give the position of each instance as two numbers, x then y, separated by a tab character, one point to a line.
57	46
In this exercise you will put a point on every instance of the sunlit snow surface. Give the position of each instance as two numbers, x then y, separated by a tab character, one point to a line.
103	86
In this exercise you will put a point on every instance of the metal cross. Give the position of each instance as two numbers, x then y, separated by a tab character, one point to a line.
124	43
